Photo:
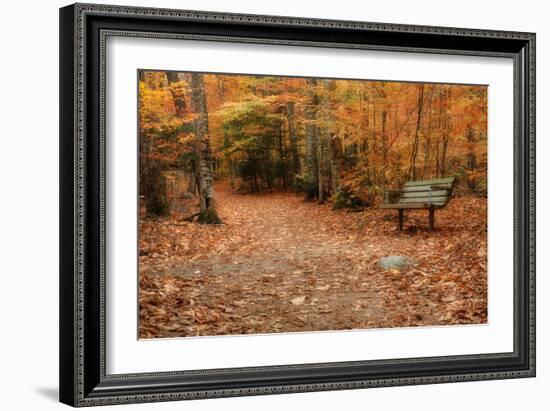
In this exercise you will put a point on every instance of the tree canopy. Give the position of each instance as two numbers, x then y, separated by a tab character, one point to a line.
328	138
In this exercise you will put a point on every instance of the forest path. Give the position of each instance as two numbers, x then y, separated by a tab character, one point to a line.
288	258
281	264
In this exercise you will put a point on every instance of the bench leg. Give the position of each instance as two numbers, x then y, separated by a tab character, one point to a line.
431	219
400	225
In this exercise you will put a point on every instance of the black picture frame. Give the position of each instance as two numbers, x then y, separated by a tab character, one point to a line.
83	29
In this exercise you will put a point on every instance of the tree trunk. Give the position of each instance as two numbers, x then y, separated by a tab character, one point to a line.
336	163
221	86
427	142
328	126
208	214
335	146
445	137
282	158
365	146
172	77
439	131
192	183
321	145
178	93
311	130
373	148
154	183
471	156
444	151
414	152
384	148
293	141
178	96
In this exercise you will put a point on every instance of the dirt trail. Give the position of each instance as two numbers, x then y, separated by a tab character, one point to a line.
280	264
278	232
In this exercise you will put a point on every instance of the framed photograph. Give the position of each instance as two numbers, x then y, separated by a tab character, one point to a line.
260	205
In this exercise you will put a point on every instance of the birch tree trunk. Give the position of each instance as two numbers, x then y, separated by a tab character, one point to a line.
208	214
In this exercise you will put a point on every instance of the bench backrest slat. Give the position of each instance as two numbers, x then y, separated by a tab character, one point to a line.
437	201
436	192
434	182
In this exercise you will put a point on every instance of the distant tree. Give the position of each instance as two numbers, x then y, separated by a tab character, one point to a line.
311	132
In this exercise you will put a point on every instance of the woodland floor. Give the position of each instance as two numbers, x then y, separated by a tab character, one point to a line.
281	264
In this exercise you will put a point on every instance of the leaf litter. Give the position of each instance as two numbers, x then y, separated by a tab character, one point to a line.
281	264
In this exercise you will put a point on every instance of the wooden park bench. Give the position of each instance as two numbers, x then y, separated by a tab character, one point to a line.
428	195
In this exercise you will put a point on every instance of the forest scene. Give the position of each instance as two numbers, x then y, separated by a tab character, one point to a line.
271	204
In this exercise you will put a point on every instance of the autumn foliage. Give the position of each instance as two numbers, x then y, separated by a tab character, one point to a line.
319	136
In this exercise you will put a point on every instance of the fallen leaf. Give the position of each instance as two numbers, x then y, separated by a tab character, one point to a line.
298	300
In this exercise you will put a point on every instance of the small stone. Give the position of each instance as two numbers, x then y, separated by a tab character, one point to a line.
396	262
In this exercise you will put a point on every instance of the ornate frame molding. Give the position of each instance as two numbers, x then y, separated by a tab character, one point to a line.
83	378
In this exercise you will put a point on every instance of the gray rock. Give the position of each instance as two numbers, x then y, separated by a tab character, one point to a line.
396	262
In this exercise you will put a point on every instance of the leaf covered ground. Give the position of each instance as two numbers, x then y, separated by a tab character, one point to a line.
282	264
